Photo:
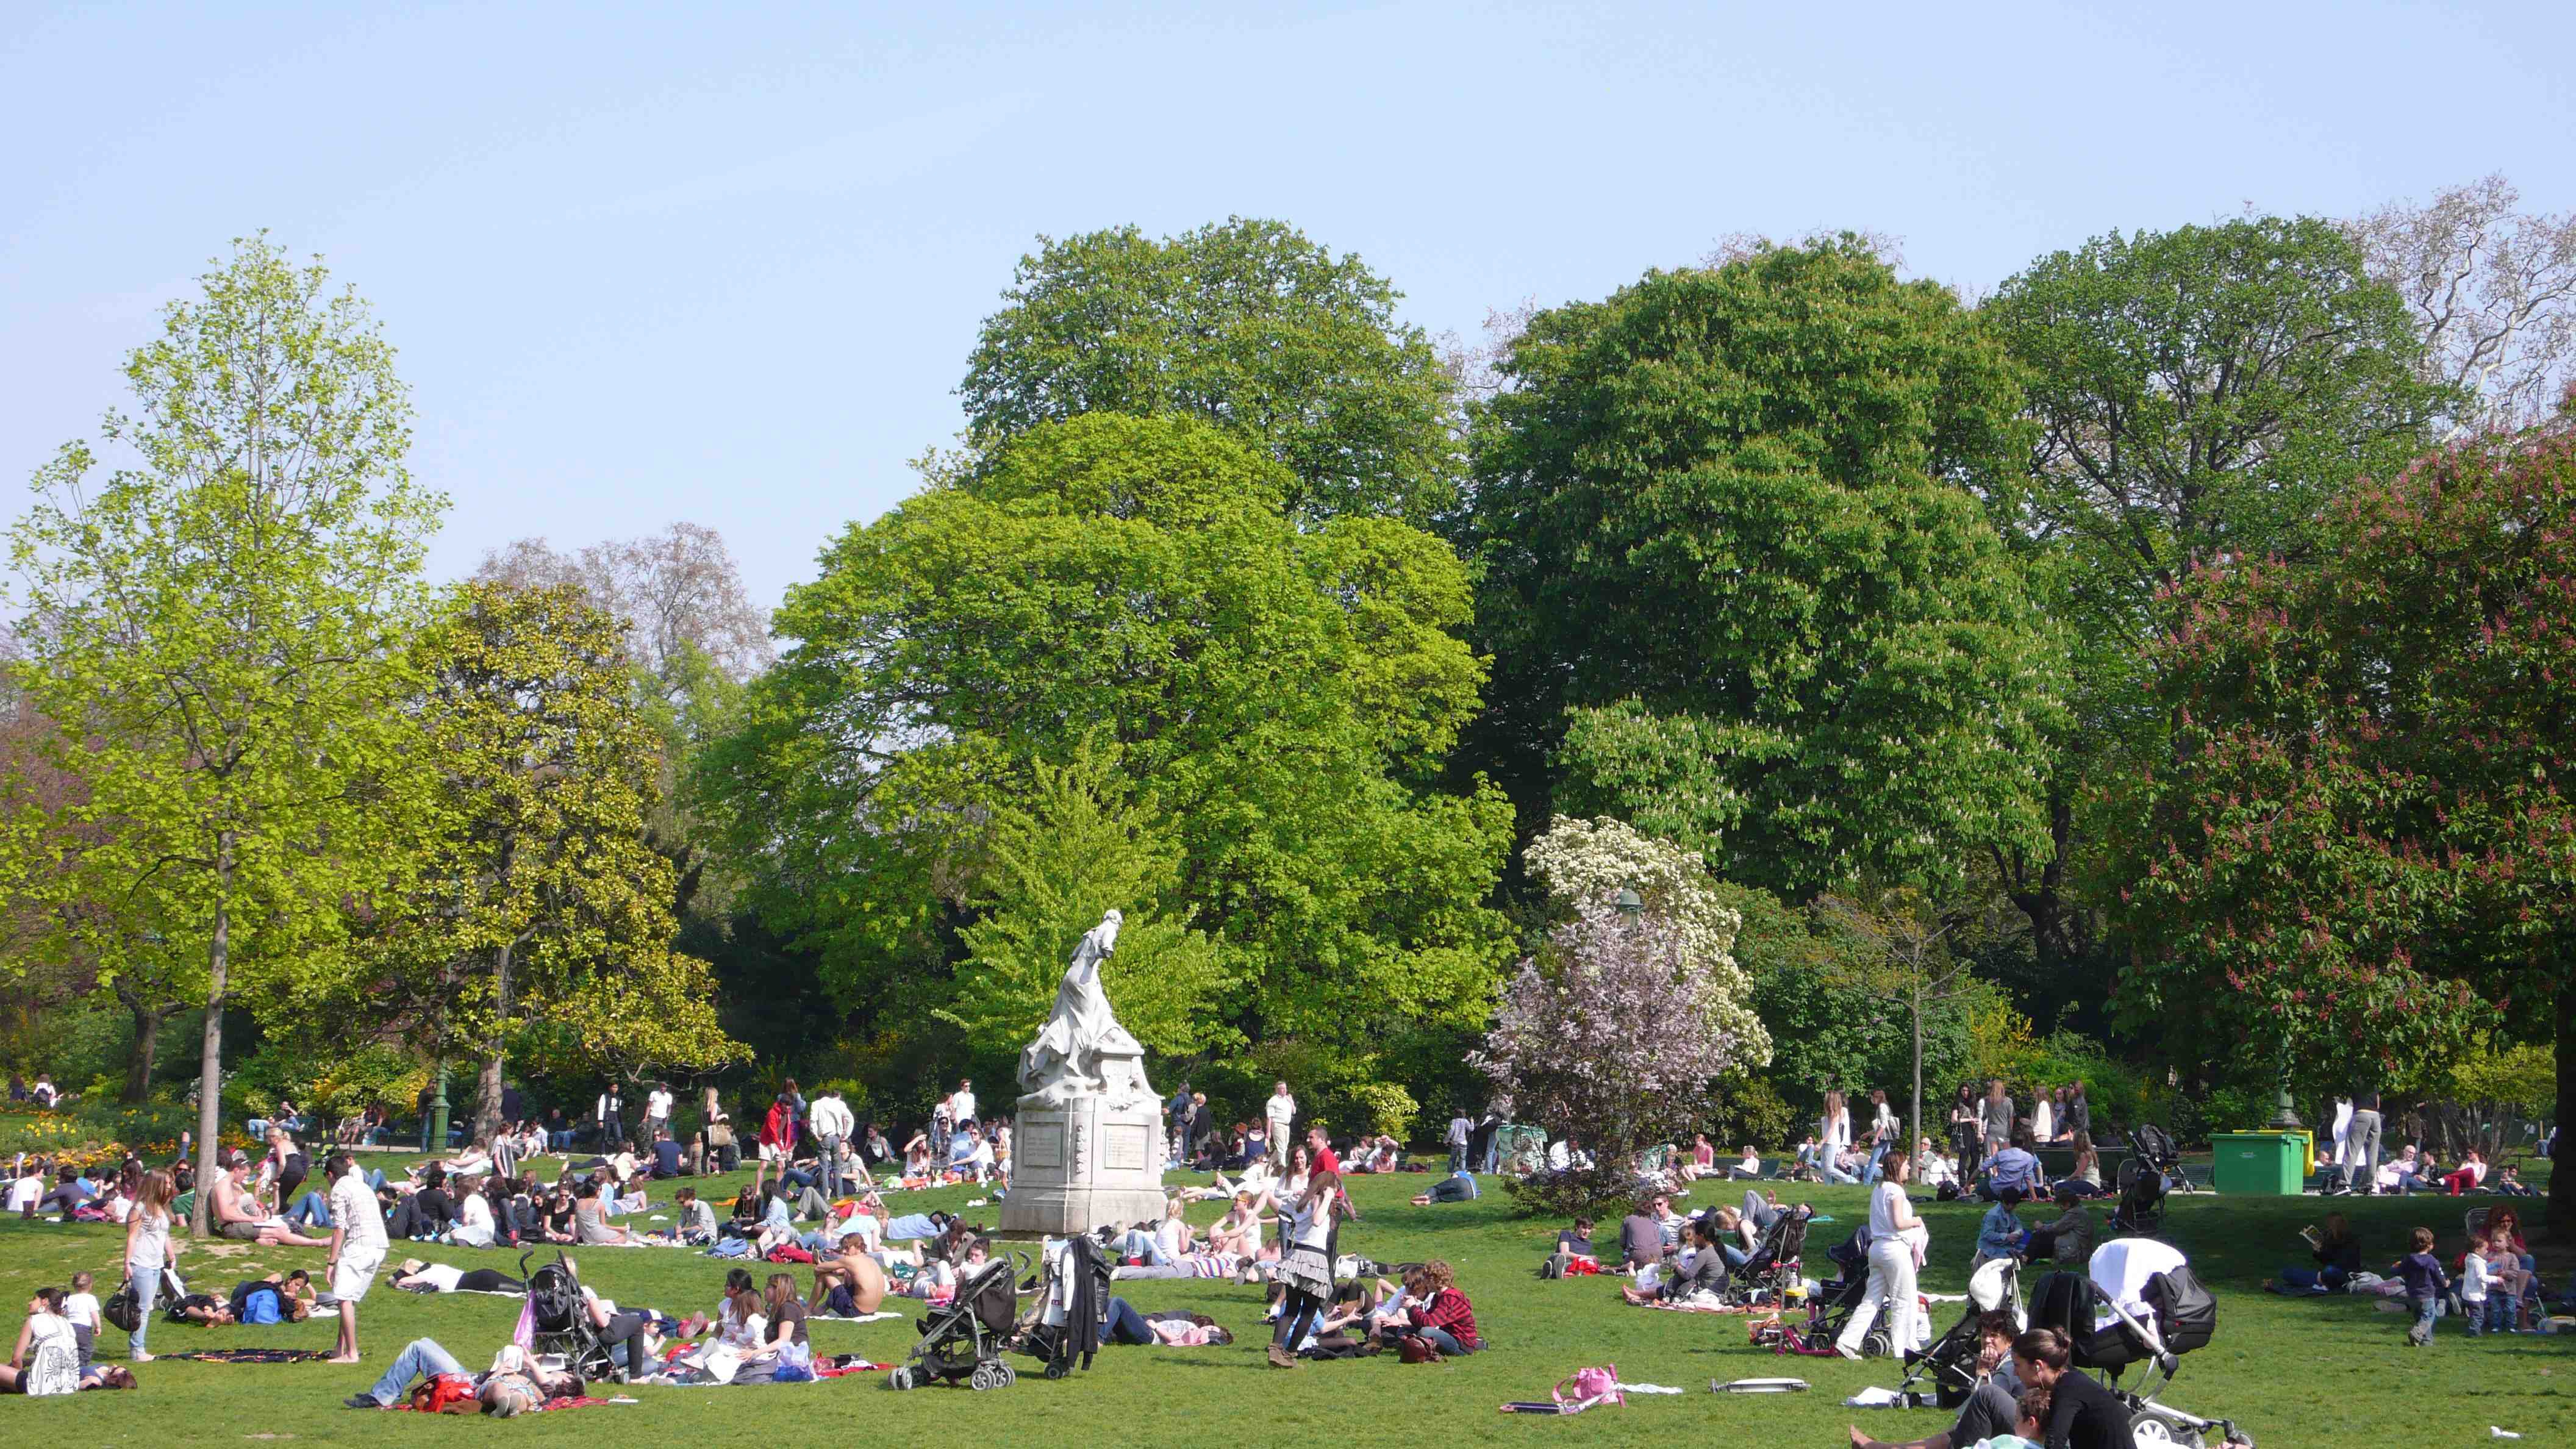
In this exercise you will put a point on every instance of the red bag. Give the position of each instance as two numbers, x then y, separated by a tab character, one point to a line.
789	1253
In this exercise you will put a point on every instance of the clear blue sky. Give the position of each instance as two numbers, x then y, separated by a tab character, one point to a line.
725	262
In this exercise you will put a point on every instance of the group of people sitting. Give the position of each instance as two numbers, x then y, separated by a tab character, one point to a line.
2492	1284
54	1349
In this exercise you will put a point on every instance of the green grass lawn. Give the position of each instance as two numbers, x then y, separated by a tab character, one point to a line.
2329	1371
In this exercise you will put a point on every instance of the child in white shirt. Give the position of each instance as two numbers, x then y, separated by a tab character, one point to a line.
2476	1283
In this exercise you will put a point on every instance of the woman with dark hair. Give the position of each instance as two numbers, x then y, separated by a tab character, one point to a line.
47	1360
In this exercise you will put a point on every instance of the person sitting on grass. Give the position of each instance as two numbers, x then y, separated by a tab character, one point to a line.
851	1285
232	1212
1701	1272
2014	1168
515	1384
1239	1231
2338	1257
1748	1167
2068	1238
1576	1241
590	1219
1442	1317
1994	1406
47	1358
2001	1234
2509	1182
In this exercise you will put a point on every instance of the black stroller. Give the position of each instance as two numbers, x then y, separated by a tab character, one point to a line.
557	1311
1766	1275
2137	1302
964	1340
1067	1325
1829	1311
1948	1370
2153	1161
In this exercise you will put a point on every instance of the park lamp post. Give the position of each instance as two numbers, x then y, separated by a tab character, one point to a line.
1631	905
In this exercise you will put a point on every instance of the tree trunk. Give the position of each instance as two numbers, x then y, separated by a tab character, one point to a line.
210	1061
2562	1183
2054	925
147	1051
1917	1147
487	1093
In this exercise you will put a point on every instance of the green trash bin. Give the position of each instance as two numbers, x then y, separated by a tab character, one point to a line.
2266	1163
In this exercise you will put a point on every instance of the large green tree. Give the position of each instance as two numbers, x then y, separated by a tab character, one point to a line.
219	627
2200	395
538	897
1133	586
2361	854
1246	324
1735	584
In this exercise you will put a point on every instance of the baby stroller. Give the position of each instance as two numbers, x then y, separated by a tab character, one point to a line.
1767	1274
1947	1371
964	1339
1829	1309
1072	1303
556	1307
2138	1301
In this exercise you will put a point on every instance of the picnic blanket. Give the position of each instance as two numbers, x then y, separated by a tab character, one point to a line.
248	1355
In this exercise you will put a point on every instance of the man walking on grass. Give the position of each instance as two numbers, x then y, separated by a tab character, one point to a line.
357	1250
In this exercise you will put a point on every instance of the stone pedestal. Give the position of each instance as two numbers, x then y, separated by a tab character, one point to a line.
1078	1164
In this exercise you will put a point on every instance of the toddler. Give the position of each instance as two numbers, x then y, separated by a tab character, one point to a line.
2425	1284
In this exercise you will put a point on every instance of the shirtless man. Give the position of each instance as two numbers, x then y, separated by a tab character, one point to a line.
235	1212
855	1270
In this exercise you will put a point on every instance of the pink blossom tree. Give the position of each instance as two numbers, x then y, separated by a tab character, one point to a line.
1612	1036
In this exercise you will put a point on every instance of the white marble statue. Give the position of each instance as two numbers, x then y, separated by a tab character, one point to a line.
1082	1050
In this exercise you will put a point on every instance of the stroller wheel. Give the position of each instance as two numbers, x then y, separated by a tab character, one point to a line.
1009	1375
901	1378
984	1377
1057	1368
2148	1429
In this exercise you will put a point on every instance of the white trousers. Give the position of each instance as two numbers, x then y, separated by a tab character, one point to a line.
1891	1281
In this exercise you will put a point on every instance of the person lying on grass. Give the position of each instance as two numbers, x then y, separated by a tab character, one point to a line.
277	1298
415	1276
515	1384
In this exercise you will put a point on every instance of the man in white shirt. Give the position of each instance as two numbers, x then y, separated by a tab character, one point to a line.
657	1112
1460	1129
1278	1114
961	1107
833	1124
357	1250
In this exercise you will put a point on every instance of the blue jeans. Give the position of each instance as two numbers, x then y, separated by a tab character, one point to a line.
1443	1340
423	1358
2314	1280
2426	1309
1123	1324
2492	1314
150	1277
311	1208
1140	1245
559	1141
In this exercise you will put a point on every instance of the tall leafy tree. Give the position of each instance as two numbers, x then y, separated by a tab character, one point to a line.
2201	395
538	897
2360	852
219	628
1735	586
1246	324
1079	844
1135	583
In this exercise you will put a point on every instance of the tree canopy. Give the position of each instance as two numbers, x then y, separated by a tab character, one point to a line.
1134	586
1246	324
1737	587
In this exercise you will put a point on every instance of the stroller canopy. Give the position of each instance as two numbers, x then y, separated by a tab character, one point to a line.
1991	1285
2122	1268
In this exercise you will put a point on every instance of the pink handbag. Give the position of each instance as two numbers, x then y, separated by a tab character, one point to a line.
1591	1386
